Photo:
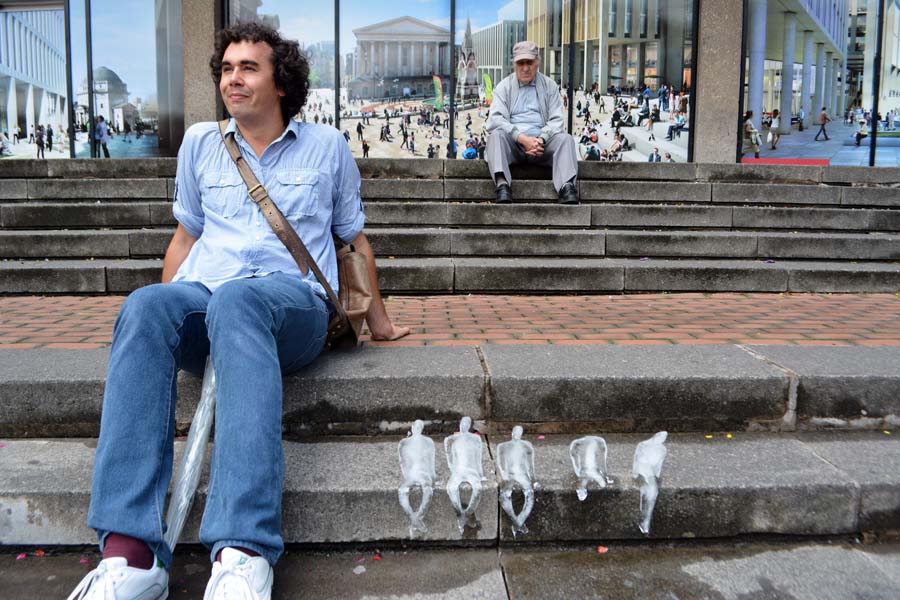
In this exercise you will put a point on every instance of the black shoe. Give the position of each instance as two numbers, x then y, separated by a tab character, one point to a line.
504	194
568	194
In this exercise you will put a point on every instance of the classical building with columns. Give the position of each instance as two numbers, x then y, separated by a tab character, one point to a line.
32	70
493	47
399	54
811	33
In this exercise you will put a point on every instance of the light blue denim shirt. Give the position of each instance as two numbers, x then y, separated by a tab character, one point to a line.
526	114
309	173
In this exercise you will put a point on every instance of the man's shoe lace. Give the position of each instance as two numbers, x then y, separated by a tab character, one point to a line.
231	582
101	578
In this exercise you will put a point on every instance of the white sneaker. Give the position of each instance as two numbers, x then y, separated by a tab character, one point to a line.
113	579
239	577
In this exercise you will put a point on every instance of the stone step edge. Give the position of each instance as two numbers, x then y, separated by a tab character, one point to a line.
55	392
374	167
346	491
506	275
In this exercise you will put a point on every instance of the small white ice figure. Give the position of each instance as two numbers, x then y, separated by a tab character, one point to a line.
649	457
417	466
515	462
588	456
463	450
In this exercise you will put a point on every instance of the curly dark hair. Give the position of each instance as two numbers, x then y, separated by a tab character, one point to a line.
291	66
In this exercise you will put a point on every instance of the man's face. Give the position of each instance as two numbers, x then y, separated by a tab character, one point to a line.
526	70
248	82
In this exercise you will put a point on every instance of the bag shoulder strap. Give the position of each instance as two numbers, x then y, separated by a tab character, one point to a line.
274	216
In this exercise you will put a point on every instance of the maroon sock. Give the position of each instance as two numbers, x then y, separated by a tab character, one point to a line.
246	551
135	551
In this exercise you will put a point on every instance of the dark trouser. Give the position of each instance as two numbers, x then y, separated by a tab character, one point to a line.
821	132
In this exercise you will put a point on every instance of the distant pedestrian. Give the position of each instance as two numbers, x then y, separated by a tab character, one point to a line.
365	147
101	135
31	134
823	118
359	131
50	137
39	141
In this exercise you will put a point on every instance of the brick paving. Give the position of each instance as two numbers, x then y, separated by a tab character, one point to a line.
74	322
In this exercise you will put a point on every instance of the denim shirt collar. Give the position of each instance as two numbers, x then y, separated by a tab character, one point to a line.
293	127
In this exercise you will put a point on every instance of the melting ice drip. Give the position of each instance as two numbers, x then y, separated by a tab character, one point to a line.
648	461
417	467
515	462
588	456
463	450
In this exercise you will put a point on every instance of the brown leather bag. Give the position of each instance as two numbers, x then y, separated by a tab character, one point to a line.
353	270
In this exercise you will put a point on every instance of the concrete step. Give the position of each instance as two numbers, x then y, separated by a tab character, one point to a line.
521	275
56	215
496	242
345	491
834	569
46	392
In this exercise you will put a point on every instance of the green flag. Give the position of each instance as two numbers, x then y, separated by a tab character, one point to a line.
488	88
438	93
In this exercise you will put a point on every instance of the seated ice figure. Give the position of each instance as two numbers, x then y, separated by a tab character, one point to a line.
515	463
417	467
588	456
648	461
463	450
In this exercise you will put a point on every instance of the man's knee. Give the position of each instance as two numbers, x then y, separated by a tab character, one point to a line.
150	304
236	299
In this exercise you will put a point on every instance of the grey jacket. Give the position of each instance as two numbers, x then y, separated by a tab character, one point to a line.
507	92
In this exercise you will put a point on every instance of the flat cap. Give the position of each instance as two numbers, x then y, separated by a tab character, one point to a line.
525	50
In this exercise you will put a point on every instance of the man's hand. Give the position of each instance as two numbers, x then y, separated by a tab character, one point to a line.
533	146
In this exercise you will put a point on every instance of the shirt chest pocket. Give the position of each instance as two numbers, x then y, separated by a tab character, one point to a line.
297	192
223	192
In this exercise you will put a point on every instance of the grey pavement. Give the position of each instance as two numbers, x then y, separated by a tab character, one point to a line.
835	570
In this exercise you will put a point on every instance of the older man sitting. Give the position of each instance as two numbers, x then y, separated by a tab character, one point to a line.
526	125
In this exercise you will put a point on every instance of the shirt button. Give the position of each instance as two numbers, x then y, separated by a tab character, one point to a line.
221	181
257	238
298	179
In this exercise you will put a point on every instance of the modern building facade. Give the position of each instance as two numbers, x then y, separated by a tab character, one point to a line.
620	43
32	71
493	47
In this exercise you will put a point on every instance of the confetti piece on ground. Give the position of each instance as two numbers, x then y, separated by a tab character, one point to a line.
361	559
359	570
769	262
887	432
2	445
709	437
541	437
602	549
84	561
376	557
39	553
21	556
729	436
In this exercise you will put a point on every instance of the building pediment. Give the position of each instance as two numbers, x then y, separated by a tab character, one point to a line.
401	28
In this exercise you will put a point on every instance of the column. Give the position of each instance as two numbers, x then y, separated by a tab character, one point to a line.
835	87
806	83
828	86
29	111
436	57
757	44
820	83
787	71
842	94
12	109
385	66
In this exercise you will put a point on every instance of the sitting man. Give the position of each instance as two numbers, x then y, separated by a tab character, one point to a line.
526	125
230	290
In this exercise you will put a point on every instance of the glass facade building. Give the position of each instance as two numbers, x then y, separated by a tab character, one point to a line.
416	80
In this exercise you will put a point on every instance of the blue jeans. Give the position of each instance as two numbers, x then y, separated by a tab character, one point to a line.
256	330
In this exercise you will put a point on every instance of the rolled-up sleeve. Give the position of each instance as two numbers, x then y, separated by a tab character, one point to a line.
348	218
187	207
